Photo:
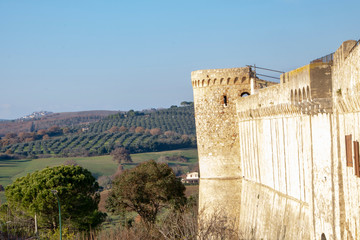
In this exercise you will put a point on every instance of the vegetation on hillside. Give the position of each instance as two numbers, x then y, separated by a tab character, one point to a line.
66	119
90	144
176	119
152	130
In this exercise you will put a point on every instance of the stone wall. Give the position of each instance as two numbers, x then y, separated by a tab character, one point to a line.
276	160
292	178
346	82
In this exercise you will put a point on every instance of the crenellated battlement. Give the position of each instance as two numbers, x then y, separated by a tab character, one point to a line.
228	76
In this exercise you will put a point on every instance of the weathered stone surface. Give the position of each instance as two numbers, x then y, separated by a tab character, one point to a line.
276	160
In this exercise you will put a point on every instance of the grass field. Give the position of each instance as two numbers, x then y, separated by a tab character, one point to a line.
100	165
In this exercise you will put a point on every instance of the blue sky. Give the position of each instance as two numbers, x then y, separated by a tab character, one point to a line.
80	55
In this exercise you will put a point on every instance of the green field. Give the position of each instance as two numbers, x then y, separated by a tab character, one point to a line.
100	165
189	153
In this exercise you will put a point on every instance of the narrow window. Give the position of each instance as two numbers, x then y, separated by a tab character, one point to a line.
348	151
225	100
308	92
304	94
356	158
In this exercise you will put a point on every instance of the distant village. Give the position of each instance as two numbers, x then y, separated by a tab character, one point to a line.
36	115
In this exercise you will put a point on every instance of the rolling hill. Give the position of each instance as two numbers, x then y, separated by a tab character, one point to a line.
150	130
64	119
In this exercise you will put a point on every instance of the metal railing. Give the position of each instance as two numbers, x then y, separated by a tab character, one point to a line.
357	43
325	59
254	67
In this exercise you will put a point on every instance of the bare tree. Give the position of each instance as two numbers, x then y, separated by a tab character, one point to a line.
191	224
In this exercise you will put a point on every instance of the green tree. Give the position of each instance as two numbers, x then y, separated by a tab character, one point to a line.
146	189
185	103
121	155
76	190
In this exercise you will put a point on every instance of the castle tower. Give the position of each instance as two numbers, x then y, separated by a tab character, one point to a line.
215	92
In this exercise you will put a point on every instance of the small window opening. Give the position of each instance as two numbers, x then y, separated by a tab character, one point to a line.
356	158
304	94
323	237
245	94
348	149
225	100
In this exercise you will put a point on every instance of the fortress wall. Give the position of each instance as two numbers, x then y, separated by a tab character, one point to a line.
346	69
264	98
295	180
277	138
320	80
323	176
346	82
298	82
303	88
310	82
275	153
297	78
348	184
268	214
276	161
221	197
276	194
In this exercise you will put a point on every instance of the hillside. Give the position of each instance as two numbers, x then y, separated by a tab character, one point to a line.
177	119
65	119
151	130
